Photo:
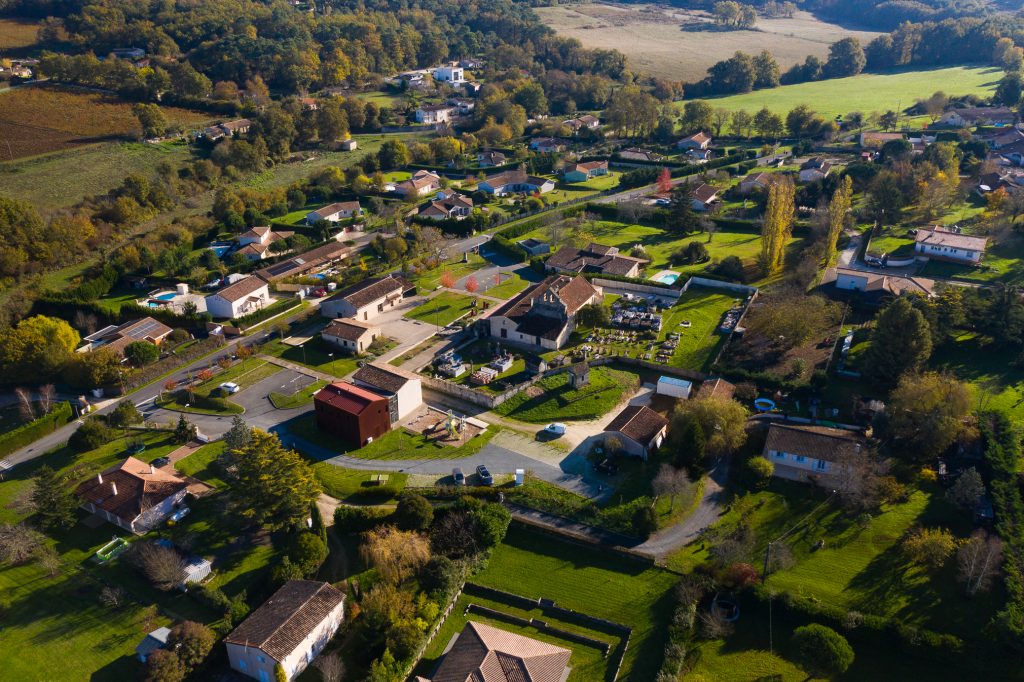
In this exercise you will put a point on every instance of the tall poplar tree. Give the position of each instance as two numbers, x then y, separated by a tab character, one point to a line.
778	224
838	212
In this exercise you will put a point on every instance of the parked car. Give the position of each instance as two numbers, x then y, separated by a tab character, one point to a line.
319	293
557	429
230	387
458	476
160	462
180	514
485	475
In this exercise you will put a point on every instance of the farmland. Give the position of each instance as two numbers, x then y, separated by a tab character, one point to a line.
671	49
867	92
40	119
17	33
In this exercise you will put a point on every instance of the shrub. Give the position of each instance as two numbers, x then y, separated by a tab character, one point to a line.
141	353
413	512
645	522
760	470
90	435
731	268
358	519
441	577
823	651
308	551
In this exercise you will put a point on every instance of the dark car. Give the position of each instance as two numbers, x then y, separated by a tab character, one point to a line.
485	475
458	476
160	462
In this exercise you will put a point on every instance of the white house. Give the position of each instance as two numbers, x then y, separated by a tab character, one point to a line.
704	196
435	113
674	387
133	495
639	430
515	181
154	641
755	181
802	452
952	246
342	210
699	140
972	116
881	286
365	300
544	315
241	298
290	629
447	206
403	389
350	334
814	169
450	74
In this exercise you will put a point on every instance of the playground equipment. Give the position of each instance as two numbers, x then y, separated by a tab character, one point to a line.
764	405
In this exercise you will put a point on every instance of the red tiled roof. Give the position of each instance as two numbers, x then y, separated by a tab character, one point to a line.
348	397
139	487
638	422
484	653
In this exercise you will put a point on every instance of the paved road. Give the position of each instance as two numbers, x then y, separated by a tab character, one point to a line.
708	511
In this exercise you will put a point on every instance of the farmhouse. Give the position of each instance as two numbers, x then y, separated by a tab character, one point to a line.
365	300
334	212
404	390
972	116
876	287
547	145
513	181
755	181
704	196
585	122
488	159
421	183
545	314
133	495
814	169
290	629
594	258
435	113
255	244
581	172
804	452
350	334
352	413
327	254
699	140
637	154
245	296
452	206
951	246
639	429
483	653
240	126
119	337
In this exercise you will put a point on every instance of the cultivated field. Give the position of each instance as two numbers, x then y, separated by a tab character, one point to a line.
15	33
868	92
39	119
672	43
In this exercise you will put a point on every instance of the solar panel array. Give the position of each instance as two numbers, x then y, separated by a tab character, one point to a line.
145	329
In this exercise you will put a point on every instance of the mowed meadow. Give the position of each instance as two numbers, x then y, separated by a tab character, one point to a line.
679	44
867	92
39	119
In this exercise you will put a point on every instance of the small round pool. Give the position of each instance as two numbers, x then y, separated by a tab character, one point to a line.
764	405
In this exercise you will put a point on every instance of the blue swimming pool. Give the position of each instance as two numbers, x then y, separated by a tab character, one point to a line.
166	297
668	278
220	249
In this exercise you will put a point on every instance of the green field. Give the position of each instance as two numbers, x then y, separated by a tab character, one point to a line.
990	372
202	464
508	288
551	399
431	279
596	582
316	354
444	308
303	396
867	92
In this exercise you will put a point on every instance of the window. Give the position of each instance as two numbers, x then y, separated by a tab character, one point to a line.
779	455
504	333
799	458
821	465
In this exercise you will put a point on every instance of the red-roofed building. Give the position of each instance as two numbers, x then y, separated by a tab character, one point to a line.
352	413
133	495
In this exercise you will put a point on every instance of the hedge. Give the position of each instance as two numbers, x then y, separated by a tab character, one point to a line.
143	376
246	321
28	433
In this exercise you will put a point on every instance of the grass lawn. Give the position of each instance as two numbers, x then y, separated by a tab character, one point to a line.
590	580
431	279
587	662
508	288
397	443
551	399
660	244
896	245
867	92
989	371
566	191
202	464
1003	262
444	308
316	354
357	486
299	398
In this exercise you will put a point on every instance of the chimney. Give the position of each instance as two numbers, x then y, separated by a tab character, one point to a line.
152	469
113	488
99	478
